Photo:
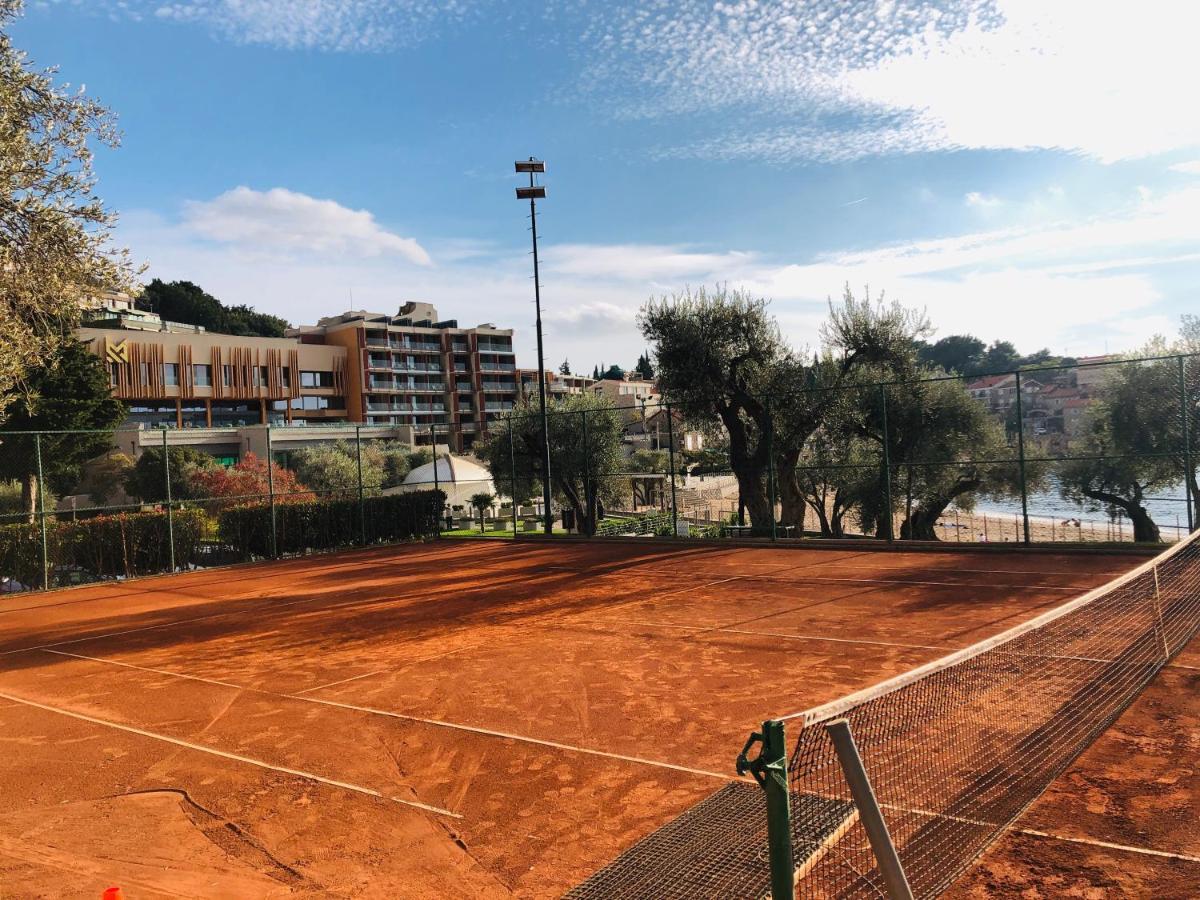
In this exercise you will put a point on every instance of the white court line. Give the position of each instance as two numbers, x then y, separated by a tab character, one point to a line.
802	637
321	687
299	773
1107	845
440	723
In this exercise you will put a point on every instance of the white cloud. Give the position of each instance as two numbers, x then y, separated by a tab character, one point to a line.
288	221
1071	286
982	201
832	80
636	262
1191	167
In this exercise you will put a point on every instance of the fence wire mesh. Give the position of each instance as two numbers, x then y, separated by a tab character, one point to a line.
955	750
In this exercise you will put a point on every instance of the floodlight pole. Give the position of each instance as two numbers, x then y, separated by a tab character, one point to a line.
548	520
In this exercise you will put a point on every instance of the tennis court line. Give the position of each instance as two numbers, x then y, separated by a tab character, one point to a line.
966	585
803	637
342	681
188	745
1145	851
440	723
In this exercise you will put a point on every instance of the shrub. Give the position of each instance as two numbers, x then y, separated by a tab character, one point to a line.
306	526
99	547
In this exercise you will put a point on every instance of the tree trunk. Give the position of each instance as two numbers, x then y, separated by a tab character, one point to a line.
1145	530
791	501
29	497
816	501
753	494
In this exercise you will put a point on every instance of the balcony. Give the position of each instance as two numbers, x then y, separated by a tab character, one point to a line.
377	342
487	365
505	386
491	406
487	347
387	385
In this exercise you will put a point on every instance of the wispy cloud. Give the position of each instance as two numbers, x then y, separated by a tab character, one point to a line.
828	80
638	262
337	25
288	221
982	201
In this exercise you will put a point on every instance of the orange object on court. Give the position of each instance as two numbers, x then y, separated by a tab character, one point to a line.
112	893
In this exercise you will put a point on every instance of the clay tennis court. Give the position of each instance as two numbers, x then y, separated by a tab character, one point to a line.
484	718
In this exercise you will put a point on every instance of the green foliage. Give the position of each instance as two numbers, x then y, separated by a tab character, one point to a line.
333	468
578	467
565	368
89	549
655	461
644	368
182	301
307	526
104	476
955	353
147	481
54	228
70	391
482	502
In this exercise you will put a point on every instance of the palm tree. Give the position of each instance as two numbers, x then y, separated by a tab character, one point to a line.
482	501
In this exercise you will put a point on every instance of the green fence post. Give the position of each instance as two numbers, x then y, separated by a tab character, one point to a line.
271	494
770	770
887	465
512	469
671	457
771	485
587	477
1187	448
41	490
1021	462
170	513
362	511
436	484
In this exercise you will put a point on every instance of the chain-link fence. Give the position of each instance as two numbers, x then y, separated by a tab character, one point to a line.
1096	451
84	506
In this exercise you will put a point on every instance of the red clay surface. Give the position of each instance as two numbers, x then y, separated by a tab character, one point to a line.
488	719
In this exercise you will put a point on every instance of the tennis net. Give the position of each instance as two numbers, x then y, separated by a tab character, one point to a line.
956	750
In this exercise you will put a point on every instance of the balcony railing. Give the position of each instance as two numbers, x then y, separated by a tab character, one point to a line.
499	386
377	342
492	366
485	347
497	407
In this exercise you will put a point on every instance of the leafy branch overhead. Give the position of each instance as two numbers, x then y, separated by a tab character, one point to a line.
54	230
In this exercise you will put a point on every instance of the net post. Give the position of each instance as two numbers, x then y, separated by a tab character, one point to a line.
869	813
770	770
167	485
41	493
1021	462
887	466
1188	471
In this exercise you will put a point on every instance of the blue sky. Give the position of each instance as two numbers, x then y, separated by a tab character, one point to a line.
1021	173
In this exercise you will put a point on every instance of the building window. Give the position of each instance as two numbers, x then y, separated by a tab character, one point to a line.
113	373
202	375
227	376
316	379
171	374
286	375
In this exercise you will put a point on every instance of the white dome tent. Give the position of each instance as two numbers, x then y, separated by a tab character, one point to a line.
458	478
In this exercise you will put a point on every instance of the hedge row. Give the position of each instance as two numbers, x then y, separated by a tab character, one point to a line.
126	544
306	526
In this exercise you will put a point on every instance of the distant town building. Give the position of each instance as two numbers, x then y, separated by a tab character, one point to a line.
557	384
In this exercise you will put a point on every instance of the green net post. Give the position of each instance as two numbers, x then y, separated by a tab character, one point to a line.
271	494
1021	463
170	512
1188	471
770	770
671	457
41	492
887	465
362	510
